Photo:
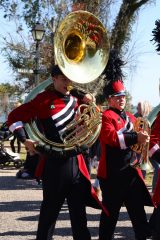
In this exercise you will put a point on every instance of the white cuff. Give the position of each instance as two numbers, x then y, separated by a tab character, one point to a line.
15	126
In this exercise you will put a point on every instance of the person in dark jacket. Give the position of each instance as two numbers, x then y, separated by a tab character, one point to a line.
14	140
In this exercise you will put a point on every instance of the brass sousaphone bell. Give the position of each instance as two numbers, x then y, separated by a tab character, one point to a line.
81	47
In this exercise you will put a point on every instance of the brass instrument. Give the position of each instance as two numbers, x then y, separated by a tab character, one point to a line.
81	49
142	124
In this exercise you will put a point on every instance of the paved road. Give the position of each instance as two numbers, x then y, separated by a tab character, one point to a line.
19	209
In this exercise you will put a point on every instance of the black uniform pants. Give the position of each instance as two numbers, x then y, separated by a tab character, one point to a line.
62	180
155	223
123	188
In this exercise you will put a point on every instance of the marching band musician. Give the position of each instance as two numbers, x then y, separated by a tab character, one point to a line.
65	175
120	182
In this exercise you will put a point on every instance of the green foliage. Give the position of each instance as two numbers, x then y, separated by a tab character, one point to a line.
9	89
31	11
17	58
128	106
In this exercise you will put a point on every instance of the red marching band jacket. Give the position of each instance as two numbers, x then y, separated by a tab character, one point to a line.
53	109
113	127
153	149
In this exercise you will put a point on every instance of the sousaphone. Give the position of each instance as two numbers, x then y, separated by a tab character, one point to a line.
81	47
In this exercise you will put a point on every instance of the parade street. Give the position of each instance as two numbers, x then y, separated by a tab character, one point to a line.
19	209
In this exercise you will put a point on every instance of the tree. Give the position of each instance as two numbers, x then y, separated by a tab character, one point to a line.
6	91
25	13
128	106
122	27
7	88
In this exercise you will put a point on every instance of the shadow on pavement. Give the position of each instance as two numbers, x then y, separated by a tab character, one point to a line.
13	183
16	206
17	233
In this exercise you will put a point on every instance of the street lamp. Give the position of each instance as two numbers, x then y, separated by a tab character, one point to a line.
37	33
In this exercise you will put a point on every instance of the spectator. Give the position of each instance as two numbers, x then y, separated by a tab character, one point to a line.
14	140
143	109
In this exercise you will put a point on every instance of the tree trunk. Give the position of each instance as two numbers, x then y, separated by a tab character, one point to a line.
122	27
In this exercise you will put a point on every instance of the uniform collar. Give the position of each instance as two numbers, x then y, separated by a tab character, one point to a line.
121	113
59	94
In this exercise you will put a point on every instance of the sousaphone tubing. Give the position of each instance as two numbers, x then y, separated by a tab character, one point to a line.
81	46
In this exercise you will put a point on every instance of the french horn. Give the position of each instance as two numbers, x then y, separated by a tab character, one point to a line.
81	47
146	124
142	124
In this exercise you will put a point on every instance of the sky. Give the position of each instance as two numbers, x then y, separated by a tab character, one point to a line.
142	82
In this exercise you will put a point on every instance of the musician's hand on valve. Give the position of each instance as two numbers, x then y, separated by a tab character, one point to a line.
142	137
30	146
88	98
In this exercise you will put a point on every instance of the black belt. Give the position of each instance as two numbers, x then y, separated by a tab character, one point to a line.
50	151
